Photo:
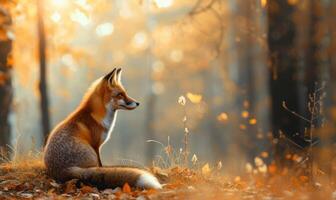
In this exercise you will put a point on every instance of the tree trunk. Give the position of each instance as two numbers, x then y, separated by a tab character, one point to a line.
44	103
6	90
284	83
294	70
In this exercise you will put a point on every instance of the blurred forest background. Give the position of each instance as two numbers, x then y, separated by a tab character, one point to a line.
258	75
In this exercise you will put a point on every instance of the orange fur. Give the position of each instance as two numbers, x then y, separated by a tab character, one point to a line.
72	149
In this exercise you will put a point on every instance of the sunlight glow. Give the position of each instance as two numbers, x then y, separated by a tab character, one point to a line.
158	66
60	3
56	17
69	61
125	11
84	4
157	88
80	17
222	117
263	3
104	29
119	56
157	70
140	40
163	3
164	35
176	55
245	114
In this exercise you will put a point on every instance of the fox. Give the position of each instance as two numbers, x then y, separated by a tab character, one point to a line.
72	150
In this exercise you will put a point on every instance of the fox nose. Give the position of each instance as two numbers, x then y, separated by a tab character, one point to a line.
132	102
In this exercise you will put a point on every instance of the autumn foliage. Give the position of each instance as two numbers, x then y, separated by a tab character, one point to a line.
237	97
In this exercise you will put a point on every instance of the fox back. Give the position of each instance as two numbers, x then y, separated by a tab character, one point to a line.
72	149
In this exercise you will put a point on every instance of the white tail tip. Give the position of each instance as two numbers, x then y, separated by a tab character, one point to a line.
147	180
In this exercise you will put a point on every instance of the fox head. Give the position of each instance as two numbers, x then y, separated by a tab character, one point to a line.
115	96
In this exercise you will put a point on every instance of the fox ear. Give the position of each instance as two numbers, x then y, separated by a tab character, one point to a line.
118	75
110	77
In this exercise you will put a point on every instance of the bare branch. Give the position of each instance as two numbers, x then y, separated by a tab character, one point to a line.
294	143
294	113
197	9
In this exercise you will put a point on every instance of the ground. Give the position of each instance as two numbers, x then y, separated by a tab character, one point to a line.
27	180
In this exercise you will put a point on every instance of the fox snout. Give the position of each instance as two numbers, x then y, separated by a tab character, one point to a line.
127	104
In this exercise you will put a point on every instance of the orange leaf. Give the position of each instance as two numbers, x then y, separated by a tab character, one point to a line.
206	169
194	98
272	168
303	178
3	78
70	186
222	117
86	189
253	121
126	188
3	35
151	191
10	61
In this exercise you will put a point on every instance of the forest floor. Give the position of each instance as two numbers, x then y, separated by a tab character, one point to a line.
27	180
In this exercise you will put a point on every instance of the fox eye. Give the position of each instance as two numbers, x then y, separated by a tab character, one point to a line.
119	95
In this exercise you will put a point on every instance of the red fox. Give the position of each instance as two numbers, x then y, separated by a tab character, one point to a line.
72	149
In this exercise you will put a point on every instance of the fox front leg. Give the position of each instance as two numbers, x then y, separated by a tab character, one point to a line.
99	160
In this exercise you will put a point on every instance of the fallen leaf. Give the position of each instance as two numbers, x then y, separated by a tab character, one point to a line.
304	179
26	195
248	168
222	117
272	168
206	169
54	184
70	186
237	179
3	78
115	190
126	188
108	191
182	100
10	61
245	114
150	192
258	161
242	127
194	98
141	198
219	165
94	195
253	121
264	154
194	159
86	189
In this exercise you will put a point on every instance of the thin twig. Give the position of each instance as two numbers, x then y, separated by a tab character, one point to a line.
294	113
197	9
294	143
186	135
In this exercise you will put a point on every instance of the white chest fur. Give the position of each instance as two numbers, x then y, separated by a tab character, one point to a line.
108	123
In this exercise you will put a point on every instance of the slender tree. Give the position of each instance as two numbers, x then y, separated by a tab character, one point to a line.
6	89
284	83
151	96
295	69
43	72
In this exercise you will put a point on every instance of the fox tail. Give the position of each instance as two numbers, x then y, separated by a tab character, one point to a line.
115	177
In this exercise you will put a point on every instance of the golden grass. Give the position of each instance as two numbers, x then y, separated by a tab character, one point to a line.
26	178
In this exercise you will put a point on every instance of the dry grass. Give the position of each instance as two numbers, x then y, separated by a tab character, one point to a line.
26	179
